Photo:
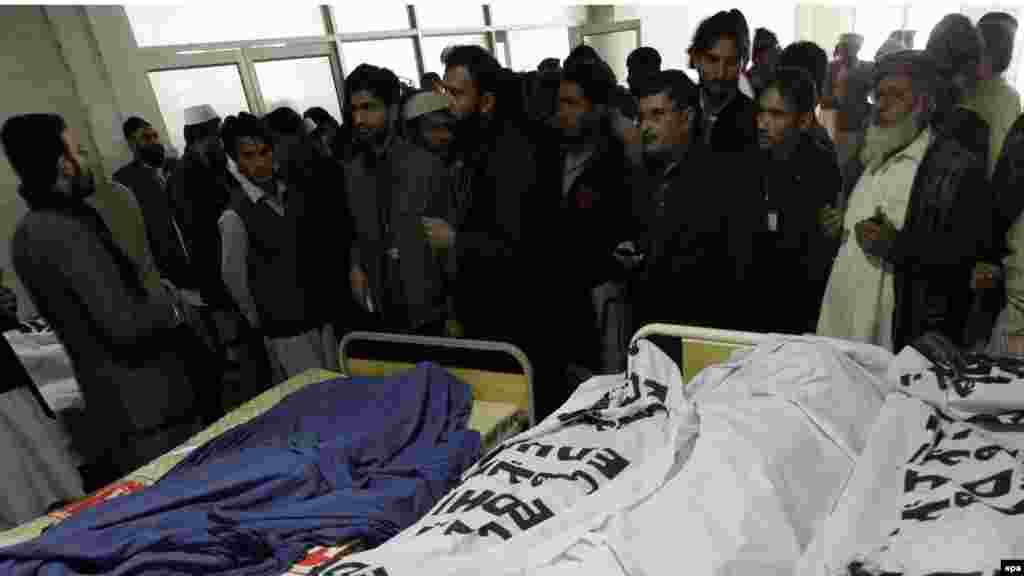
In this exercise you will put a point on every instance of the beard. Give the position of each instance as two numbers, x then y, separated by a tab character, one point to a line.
881	143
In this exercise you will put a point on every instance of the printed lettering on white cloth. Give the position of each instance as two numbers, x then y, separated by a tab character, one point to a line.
609	425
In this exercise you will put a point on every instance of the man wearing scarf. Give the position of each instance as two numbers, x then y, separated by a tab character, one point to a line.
395	276
912	227
121	337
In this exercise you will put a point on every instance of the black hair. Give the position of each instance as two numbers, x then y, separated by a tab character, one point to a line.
427	80
380	82
196	132
284	120
33	144
593	79
582	53
481	65
320	117
956	44
731	24
549	64
245	125
810	57
765	39
644	59
796	87
133	125
998	29
674	83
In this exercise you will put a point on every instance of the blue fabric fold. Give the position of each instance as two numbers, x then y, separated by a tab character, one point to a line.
349	458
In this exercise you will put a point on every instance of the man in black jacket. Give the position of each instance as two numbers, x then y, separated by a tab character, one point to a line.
696	219
495	176
720	50
800	178
913	226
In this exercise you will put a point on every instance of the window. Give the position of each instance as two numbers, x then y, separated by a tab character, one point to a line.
306	82
777	16
449	15
176	90
156	25
379	17
433	46
397	55
529	47
611	44
520	13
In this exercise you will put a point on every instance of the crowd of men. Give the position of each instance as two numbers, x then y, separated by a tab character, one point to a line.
863	200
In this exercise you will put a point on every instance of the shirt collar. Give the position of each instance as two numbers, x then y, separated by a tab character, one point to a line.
917	149
254	192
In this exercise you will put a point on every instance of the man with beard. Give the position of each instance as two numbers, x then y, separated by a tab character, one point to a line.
913	228
117	333
146	176
394	275
720	49
588	194
800	178
495	174
696	220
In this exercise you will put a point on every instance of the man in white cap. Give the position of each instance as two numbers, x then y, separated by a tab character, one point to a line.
913	226
428	123
846	90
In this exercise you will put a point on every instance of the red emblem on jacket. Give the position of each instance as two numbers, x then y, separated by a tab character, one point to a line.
584	197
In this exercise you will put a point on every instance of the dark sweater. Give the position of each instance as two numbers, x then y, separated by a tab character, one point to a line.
122	344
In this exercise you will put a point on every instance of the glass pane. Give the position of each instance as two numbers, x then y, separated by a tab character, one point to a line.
216	22
613	49
433	46
875	22
529	47
397	55
377	17
306	82
450	15
521	13
925	15
176	90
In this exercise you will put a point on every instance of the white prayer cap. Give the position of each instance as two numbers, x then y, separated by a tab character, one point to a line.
425	103
200	114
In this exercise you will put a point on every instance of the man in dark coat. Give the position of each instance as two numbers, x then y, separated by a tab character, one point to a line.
720	50
147	176
696	219
495	175
800	178
913	226
392	184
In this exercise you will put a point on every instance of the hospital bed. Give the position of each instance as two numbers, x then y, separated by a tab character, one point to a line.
499	375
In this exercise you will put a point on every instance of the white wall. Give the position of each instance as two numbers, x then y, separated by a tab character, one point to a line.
36	79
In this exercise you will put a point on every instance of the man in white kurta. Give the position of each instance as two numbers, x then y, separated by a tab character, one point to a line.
860	299
861	295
